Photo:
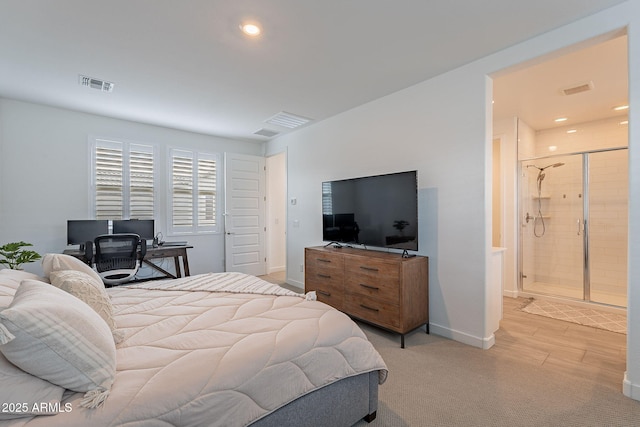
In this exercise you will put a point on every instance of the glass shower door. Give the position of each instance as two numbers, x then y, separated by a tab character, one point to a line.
552	226
607	224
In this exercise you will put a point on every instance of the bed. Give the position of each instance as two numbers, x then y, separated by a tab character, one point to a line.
221	349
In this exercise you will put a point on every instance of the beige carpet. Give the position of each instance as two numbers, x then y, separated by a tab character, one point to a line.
438	382
583	316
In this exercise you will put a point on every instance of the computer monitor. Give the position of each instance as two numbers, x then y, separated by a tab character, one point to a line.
83	230
145	228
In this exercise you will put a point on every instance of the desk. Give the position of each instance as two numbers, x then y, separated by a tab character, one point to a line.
175	252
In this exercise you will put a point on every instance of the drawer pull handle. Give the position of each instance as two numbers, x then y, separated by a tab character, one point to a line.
324	276
323	260
326	294
368	268
375	288
369	308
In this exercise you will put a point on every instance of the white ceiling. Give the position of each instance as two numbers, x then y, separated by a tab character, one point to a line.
185	64
534	93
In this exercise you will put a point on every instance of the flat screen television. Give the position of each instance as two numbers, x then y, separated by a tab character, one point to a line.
379	211
142	227
80	231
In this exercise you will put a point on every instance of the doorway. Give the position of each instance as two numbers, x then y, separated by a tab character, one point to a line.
556	106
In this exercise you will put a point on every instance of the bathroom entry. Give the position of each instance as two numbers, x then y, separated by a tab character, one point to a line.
573	211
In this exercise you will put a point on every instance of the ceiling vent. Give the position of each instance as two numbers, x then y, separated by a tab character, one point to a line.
582	87
95	83
266	132
287	120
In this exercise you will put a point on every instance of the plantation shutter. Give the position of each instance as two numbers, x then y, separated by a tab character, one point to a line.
193	191
141	183
206	192
124	180
109	194
182	190
327	208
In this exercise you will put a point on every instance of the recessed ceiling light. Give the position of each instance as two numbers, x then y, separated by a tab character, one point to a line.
621	107
251	29
624	122
560	119
553	148
572	131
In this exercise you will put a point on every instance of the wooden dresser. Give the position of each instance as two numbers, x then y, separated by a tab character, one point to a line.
380	288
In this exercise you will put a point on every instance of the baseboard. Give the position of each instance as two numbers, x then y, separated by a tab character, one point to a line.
511	294
462	337
629	389
272	270
296	283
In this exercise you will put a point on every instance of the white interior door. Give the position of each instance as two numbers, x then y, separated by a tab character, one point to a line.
244	214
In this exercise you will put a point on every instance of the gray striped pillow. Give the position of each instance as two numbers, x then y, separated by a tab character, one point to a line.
55	336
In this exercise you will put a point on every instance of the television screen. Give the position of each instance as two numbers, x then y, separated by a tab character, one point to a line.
142	227
85	230
380	211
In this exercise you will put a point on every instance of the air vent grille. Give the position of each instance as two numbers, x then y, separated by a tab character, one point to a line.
579	88
94	83
288	120
266	132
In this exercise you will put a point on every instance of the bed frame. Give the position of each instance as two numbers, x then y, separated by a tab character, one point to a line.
342	403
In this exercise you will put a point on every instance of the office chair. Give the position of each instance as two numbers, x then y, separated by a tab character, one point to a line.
116	258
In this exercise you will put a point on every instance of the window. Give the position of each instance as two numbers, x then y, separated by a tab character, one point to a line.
193	192
123	180
327	207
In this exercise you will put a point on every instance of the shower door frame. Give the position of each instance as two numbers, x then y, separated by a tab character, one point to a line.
586	273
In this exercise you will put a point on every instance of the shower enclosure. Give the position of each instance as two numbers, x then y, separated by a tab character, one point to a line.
573	234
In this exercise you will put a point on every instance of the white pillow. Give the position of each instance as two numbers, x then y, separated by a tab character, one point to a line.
83	286
55	336
9	282
20	391
57	262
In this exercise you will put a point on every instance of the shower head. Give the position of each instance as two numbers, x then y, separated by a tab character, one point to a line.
555	165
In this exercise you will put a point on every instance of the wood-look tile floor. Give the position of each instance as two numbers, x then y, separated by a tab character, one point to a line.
560	346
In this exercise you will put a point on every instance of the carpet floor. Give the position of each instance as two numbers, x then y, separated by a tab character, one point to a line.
435	381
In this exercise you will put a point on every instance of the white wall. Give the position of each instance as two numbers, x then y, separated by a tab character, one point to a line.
44	174
439	127
276	213
507	131
418	128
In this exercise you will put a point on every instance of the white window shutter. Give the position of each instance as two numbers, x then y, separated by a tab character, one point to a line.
109	190
207	180
193	195
124	180
141	182
182	190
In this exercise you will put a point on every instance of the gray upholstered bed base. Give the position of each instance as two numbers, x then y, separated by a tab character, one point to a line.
342	403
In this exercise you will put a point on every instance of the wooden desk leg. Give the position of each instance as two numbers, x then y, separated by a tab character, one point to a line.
158	268
185	263
176	260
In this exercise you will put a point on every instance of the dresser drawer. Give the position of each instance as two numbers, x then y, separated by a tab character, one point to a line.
329	289
373	278
324	261
381	313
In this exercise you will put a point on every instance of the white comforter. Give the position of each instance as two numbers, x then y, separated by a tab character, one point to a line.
205	358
